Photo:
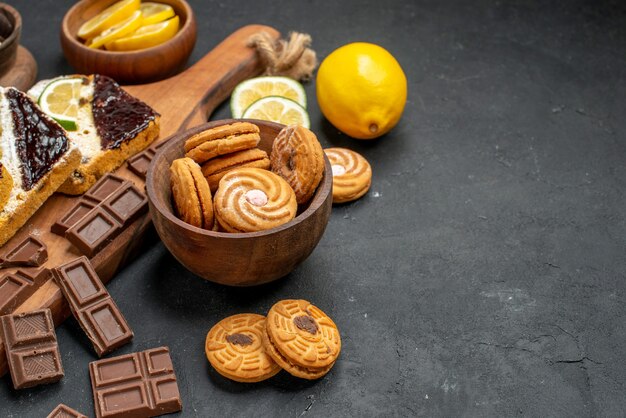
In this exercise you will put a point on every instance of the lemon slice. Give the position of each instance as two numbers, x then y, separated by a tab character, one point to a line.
278	109
107	18
155	12
146	36
122	29
61	100
254	89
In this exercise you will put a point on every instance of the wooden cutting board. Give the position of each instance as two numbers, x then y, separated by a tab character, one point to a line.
183	101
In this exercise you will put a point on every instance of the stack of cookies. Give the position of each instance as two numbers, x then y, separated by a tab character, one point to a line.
296	336
225	183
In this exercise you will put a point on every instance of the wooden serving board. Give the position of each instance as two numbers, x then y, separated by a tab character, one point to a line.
183	101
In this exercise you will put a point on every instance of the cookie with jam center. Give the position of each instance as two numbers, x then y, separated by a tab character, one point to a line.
235	350
191	194
302	338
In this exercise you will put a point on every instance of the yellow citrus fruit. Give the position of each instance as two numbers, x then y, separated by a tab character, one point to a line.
155	12
146	36
361	90
110	16
124	28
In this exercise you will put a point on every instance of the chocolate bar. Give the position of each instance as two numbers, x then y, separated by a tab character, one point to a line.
93	231
64	411
104	187
31	348
92	306
126	203
75	214
29	252
135	385
16	287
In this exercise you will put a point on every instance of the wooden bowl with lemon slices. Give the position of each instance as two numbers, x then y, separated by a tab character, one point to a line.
129	66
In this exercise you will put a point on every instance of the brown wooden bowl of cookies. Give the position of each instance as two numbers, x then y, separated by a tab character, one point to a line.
131	67
241	258
10	31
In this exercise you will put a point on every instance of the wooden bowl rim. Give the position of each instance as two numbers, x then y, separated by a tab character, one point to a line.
182	32
318	199
17	27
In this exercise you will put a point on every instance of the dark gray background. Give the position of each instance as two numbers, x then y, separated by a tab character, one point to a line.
483	274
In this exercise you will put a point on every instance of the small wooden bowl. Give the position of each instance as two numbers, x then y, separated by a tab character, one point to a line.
132	67
8	47
236	259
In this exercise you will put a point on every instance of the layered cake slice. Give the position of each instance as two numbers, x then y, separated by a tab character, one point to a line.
37	157
107	124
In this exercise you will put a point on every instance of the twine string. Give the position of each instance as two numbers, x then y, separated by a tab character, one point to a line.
291	58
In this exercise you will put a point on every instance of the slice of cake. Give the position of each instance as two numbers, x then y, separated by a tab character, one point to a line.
37	157
110	126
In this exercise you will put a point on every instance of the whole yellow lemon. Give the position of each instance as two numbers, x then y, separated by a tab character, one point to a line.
361	90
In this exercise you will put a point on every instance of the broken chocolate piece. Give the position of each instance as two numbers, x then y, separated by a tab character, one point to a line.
31	348
29	253
93	231
133	385
139	163
75	214
64	411
16	287
92	306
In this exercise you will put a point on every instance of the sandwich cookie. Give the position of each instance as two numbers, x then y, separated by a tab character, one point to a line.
191	193
221	140
352	174
214	169
297	157
253	199
301	338
235	350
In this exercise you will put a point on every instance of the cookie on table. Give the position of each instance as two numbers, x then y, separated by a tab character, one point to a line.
253	199
235	350
301	338
352	174
191	194
297	157
224	139
214	169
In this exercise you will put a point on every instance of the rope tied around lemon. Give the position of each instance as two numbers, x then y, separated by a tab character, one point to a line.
290	58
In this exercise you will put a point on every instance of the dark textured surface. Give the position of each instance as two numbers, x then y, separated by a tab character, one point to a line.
483	274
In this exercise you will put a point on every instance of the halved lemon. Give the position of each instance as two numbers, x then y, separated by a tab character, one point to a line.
61	100
251	90
155	12
146	36
110	16
278	109
122	29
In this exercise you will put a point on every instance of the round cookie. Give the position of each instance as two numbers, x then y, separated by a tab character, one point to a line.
352	174
234	348
191	193
297	157
221	140
253	199
214	169
303	335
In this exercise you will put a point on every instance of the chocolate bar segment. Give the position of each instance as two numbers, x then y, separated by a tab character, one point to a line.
126	203
75	214
31	252
92	306
93	231
31	348
16	287
139	163
135	385
64	411
105	187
